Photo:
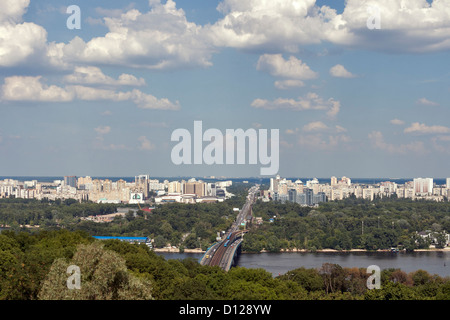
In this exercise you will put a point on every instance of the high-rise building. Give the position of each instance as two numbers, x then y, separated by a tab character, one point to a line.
174	187
334	181
70	181
448	183
309	197
142	184
423	185
345	180
319	197
195	187
292	194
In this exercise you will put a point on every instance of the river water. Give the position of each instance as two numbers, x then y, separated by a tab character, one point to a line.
279	263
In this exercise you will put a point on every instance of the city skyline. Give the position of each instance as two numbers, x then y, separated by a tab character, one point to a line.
355	88
144	188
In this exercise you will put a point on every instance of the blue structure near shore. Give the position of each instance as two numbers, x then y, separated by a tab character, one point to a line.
144	240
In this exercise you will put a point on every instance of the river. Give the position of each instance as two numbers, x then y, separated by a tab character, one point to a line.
434	262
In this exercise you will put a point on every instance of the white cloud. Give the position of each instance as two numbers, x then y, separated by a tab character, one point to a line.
93	75
20	43
319	141
315	126
339	71
158	39
406	26
426	102
291	131
288	84
397	122
311	102
103	130
281	25
378	142
147	101
12	10
421	128
436	143
277	66
145	144
340	129
18	88
162	37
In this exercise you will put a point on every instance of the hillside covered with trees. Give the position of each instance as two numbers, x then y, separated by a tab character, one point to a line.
34	266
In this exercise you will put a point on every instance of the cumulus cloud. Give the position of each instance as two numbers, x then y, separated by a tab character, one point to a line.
426	102
311	102
397	122
315	126
377	139
18	88
158	39
13	10
145	144
292	68
441	143
406	26
288	84
103	130
20	43
281	25
319	141
421	128
339	71
163	37
91	75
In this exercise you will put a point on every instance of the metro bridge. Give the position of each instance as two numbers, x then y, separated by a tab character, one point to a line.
224	252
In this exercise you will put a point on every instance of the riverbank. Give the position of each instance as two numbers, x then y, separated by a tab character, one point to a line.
177	250
198	250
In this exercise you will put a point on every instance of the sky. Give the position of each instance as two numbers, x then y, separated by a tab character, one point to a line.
355	88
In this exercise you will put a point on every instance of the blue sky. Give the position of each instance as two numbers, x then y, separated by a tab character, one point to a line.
104	100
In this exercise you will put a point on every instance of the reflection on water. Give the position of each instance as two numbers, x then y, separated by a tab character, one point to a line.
436	262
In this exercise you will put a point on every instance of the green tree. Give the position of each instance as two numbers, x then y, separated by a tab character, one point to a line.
103	273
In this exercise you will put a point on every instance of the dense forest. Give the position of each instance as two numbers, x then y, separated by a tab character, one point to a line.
349	224
34	266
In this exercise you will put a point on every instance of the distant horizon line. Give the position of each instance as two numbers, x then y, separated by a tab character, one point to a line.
210	177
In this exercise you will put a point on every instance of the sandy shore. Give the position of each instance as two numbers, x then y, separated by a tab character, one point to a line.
447	249
198	250
176	250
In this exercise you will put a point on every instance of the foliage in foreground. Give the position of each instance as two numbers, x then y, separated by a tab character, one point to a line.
33	266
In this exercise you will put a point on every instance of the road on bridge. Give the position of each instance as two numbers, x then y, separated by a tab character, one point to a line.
221	253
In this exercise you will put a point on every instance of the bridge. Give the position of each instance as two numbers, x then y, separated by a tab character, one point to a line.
224	252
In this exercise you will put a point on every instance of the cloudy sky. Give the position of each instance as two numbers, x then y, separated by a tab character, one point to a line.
356	88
